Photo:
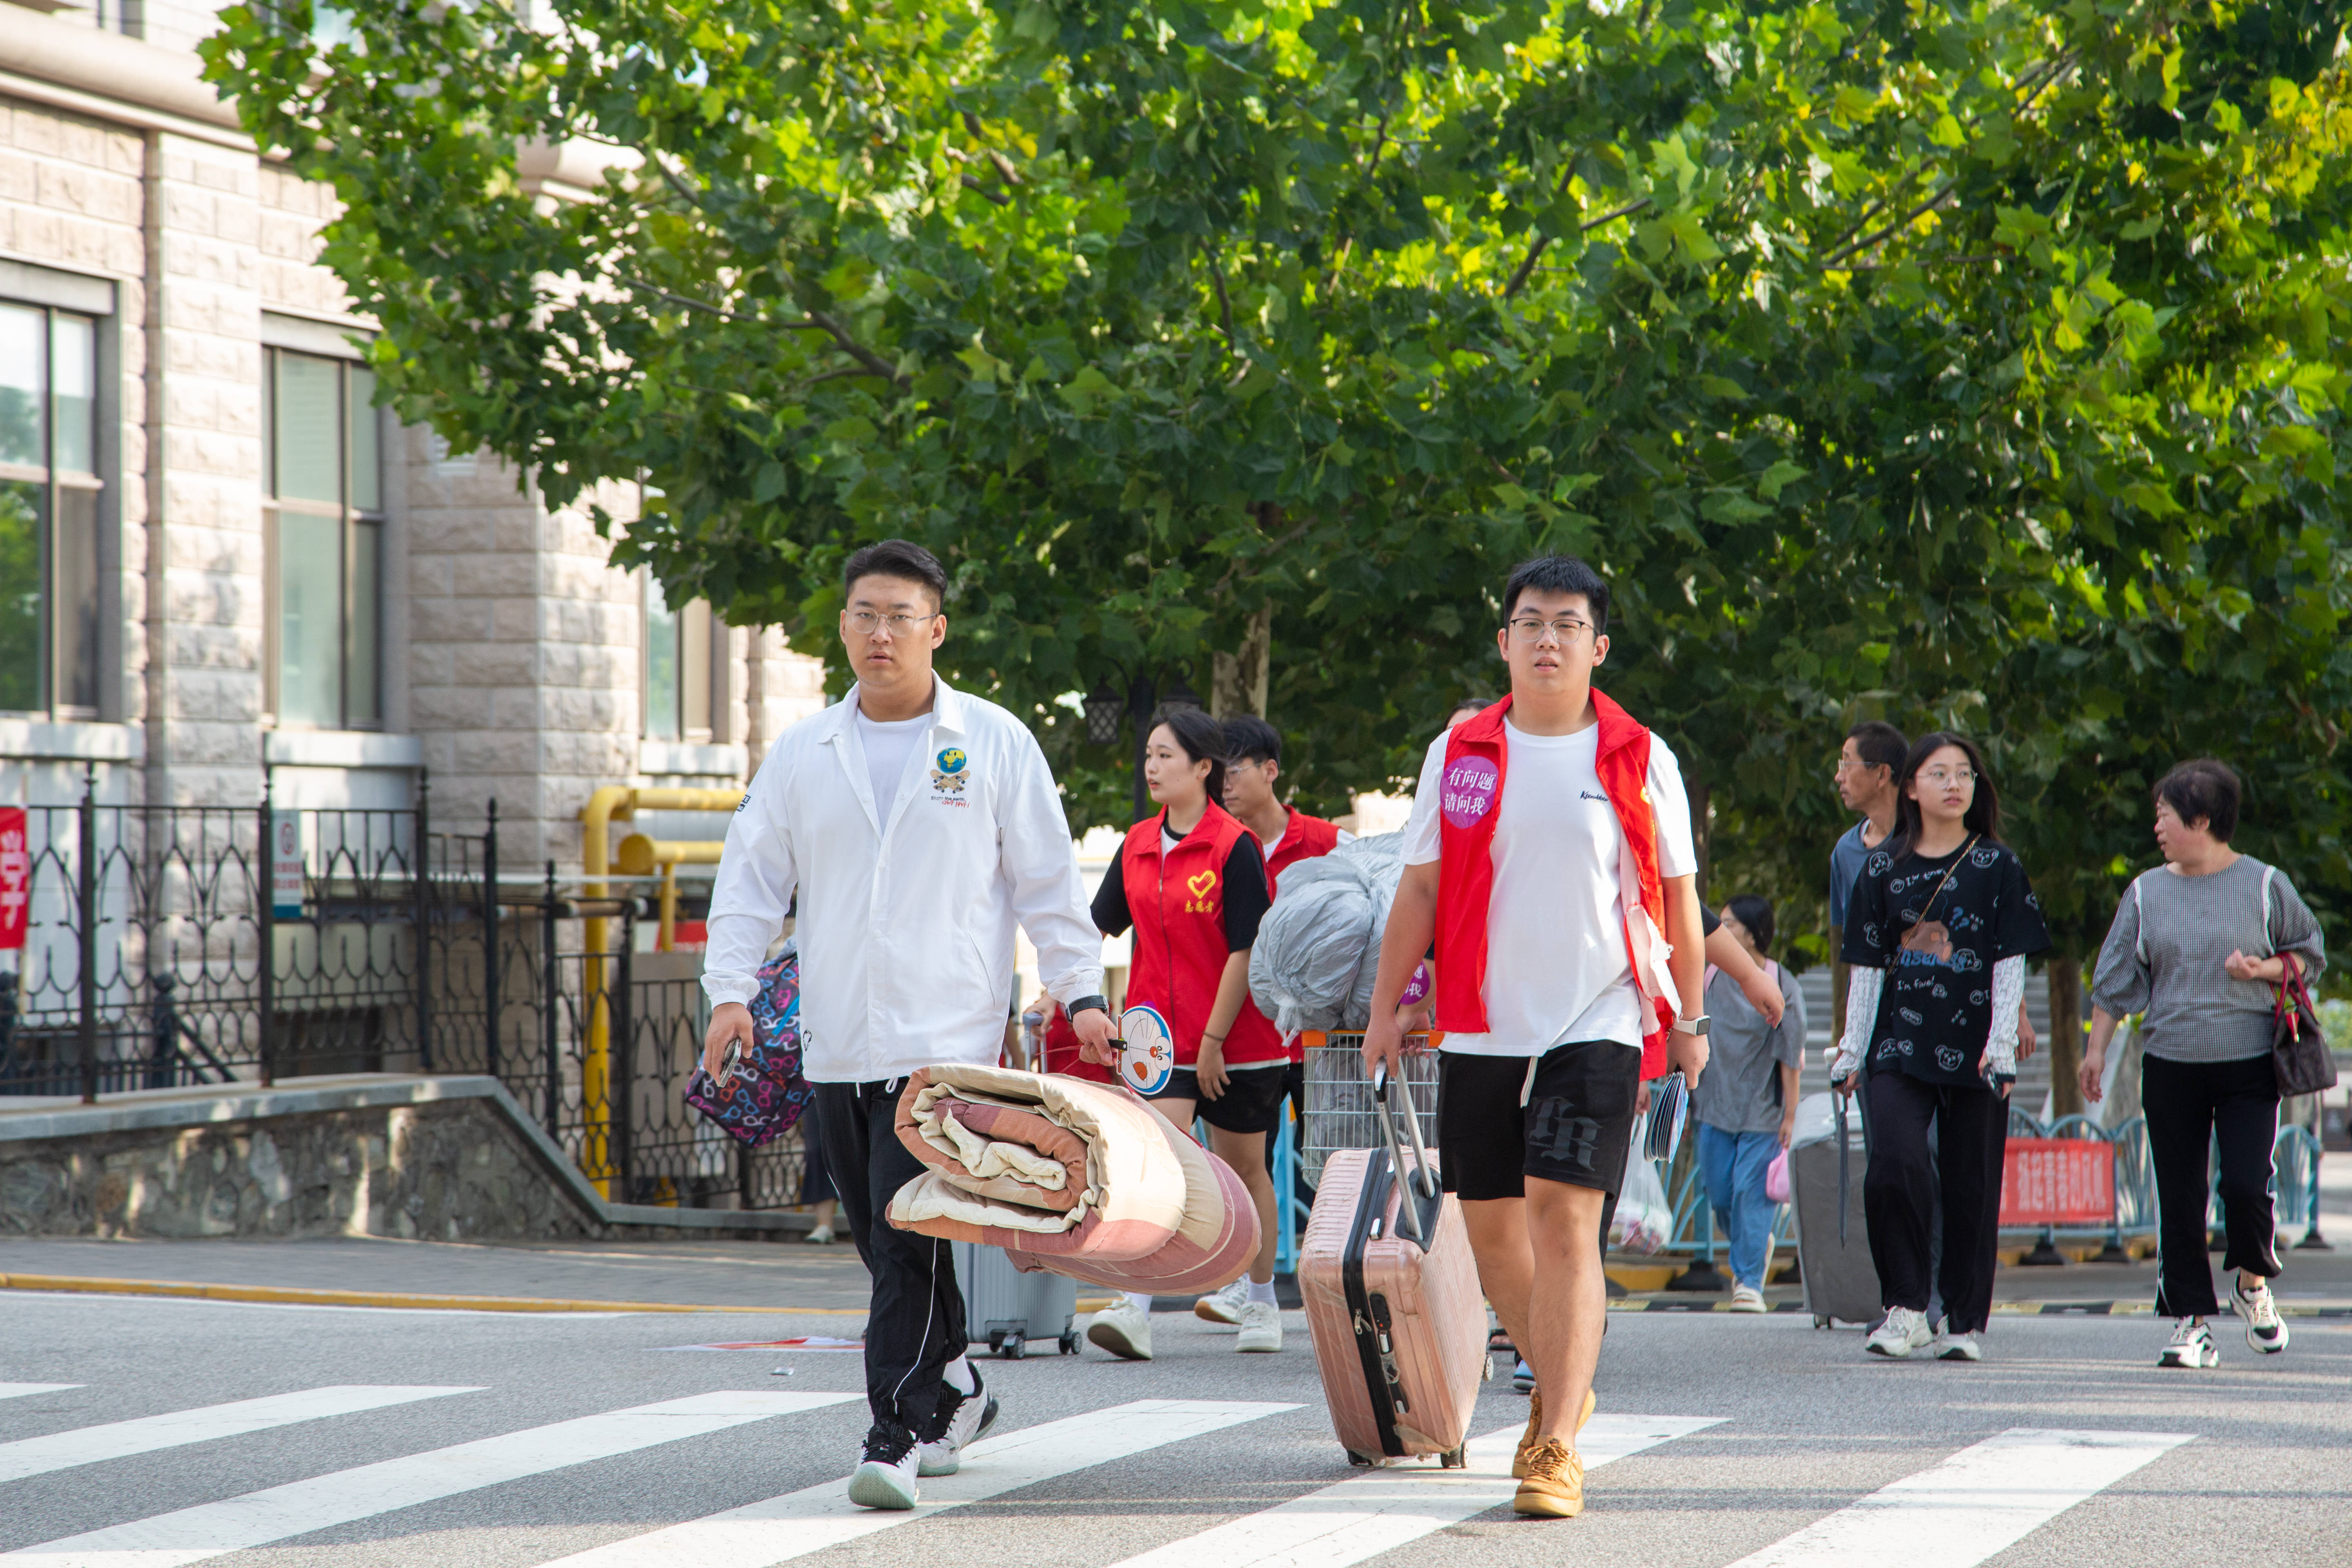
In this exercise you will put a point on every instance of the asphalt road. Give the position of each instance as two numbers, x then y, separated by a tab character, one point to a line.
1769	1443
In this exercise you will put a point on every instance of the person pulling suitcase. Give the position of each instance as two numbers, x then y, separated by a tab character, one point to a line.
1550	856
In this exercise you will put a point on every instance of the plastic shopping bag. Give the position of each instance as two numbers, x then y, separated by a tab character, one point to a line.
1776	1178
1643	1220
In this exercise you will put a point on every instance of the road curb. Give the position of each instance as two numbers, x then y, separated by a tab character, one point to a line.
2000	1308
295	1295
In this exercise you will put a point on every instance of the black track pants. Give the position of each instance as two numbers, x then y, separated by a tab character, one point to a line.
2190	1107
1905	1176
914	1326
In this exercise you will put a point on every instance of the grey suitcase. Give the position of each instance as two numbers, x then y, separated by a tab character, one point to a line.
1007	1309
1841	1281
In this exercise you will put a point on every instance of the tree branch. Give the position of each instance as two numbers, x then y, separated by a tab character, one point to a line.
1867	240
818	322
1225	305
999	198
1543	242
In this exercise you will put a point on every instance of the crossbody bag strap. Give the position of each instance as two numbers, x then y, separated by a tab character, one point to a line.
1947	878
2139	924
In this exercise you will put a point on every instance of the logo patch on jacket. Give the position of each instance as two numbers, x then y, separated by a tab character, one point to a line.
950	776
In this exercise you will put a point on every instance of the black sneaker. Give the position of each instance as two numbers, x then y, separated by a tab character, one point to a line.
960	1418
885	1476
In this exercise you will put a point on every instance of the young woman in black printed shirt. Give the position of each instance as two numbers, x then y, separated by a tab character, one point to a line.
1942	921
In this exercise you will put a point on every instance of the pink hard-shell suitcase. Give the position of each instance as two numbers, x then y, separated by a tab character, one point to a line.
1393	1301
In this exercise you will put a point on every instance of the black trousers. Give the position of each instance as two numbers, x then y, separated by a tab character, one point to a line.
2190	1107
914	1325
1903	1178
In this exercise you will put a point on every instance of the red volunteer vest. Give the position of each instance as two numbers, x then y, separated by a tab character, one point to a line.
1476	758
1178	948
1304	839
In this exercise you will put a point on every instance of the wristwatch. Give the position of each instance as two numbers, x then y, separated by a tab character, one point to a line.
1100	1004
1692	1026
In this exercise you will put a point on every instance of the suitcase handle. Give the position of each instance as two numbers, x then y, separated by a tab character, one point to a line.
1425	1179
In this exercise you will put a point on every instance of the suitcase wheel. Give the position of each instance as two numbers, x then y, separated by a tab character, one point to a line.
996	1340
1457	1459
1069	1342
1011	1347
1361	1461
1820	1320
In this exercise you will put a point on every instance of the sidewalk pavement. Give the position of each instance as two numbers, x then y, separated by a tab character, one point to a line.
759	1275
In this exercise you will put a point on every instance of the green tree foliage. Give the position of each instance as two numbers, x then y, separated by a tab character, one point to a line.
1973	362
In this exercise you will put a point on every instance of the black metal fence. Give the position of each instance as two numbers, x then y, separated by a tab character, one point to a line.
170	946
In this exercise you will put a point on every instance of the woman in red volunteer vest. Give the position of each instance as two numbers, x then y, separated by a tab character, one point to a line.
1191	884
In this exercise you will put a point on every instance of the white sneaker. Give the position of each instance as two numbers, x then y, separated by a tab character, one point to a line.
1903	1331
1958	1347
1260	1327
960	1418
2265	1330
1225	1306
1123	1329
820	1237
885	1476
1746	1299
2192	1345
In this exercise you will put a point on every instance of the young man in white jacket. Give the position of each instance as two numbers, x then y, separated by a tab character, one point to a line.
918	824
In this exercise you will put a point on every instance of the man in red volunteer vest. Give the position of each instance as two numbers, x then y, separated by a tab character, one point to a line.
1550	854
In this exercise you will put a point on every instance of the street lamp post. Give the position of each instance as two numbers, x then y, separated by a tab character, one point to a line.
1140	701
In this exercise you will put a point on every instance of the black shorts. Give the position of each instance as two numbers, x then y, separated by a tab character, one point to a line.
1575	1128
1252	1101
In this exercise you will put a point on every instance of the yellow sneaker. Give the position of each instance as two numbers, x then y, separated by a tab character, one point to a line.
1553	1487
1535	1427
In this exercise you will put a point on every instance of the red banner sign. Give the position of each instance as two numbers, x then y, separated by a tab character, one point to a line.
16	879
2057	1180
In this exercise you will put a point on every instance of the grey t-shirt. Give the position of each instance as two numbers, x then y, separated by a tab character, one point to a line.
1846	857
2163	957
1736	1091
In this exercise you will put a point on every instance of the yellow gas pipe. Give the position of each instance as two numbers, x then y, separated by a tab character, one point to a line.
615	802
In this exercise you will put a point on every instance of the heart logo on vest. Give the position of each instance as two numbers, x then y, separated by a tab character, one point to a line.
1467	792
1201	883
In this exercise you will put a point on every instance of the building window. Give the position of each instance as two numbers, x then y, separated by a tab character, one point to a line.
678	668
326	534
50	492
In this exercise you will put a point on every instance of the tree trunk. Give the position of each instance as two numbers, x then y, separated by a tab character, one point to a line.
1238	680
2065	1044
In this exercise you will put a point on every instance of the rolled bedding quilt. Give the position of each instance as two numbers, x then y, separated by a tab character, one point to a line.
1076	1177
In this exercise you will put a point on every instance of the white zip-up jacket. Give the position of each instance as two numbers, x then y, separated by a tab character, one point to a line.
905	926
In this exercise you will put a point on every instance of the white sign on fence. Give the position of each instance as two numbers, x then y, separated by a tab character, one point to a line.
286	864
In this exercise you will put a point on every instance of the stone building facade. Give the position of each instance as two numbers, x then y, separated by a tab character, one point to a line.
218	561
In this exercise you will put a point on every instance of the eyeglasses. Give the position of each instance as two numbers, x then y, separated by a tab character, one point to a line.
1939	777
866	623
1565	630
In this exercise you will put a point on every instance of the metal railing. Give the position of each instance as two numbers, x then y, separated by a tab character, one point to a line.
176	946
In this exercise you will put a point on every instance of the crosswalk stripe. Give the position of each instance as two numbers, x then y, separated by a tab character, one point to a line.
121	1439
796	1524
18	1390
257	1518
1982	1500
1366	1515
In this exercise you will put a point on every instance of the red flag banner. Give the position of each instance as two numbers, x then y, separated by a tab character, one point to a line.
16	879
2057	1180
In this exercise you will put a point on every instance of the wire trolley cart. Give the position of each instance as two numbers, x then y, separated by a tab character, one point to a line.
1339	1110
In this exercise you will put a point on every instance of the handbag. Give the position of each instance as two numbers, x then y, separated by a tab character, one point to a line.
765	1095
1776	1178
2300	1059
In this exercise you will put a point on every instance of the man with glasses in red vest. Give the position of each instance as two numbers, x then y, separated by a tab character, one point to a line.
1549	855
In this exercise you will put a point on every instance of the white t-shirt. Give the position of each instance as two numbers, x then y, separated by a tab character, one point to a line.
1556	968
889	747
